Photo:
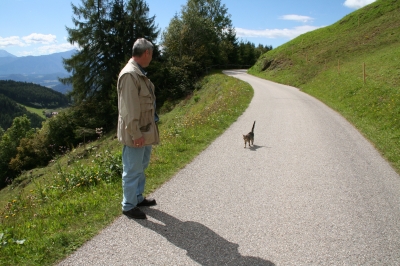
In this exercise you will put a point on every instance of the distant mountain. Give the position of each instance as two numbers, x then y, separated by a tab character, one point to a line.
26	65
33	95
14	96
44	70
4	53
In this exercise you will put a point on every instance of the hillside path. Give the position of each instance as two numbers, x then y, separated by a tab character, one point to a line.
312	191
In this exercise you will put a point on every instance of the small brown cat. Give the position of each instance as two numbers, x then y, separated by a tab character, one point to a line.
249	137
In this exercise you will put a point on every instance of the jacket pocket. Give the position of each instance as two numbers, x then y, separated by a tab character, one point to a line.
150	135
145	128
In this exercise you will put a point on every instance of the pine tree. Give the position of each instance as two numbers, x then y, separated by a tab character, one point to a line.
202	33
105	31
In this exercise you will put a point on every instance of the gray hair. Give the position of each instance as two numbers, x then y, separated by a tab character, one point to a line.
140	46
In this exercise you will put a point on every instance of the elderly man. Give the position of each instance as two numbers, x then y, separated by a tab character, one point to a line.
137	129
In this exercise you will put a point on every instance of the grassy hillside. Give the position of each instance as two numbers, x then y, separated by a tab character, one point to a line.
329	64
48	213
37	111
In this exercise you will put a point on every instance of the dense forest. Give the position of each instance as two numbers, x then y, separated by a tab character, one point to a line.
32	95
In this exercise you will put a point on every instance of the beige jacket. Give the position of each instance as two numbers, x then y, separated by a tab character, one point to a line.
136	106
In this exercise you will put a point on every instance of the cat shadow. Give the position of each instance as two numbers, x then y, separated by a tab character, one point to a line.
201	243
255	147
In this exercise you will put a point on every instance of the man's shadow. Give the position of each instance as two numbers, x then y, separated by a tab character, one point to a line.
201	243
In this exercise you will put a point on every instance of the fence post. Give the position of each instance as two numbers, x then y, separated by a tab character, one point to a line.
364	72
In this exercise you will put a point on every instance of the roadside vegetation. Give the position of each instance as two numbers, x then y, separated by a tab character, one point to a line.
49	212
329	64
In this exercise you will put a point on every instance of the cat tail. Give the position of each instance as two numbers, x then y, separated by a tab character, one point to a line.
252	129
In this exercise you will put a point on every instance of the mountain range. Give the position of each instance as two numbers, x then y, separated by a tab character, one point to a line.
43	70
4	53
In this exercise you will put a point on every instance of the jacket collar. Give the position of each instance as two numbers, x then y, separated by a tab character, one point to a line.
138	69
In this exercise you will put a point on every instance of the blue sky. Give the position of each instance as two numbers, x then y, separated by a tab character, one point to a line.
37	27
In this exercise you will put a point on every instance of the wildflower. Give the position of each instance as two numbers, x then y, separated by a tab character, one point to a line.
20	242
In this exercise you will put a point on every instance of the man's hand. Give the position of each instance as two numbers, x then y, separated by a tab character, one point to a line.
138	143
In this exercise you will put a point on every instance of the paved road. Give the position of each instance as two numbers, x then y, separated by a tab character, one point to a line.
312	191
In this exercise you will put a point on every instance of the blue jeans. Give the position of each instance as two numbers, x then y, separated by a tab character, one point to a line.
134	162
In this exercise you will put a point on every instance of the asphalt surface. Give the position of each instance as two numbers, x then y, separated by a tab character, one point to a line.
312	191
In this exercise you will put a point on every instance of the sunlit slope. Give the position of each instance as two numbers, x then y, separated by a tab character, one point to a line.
353	66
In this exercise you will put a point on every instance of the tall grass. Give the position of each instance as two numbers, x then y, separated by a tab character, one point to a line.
48	213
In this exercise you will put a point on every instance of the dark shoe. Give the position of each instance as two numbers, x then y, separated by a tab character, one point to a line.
135	213
147	202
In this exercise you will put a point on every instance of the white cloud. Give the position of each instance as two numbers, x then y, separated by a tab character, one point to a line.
356	4
49	49
32	39
297	18
40	44
275	33
11	41
40	38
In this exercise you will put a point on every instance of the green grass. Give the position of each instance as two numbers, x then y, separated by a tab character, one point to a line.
37	111
48	213
328	64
